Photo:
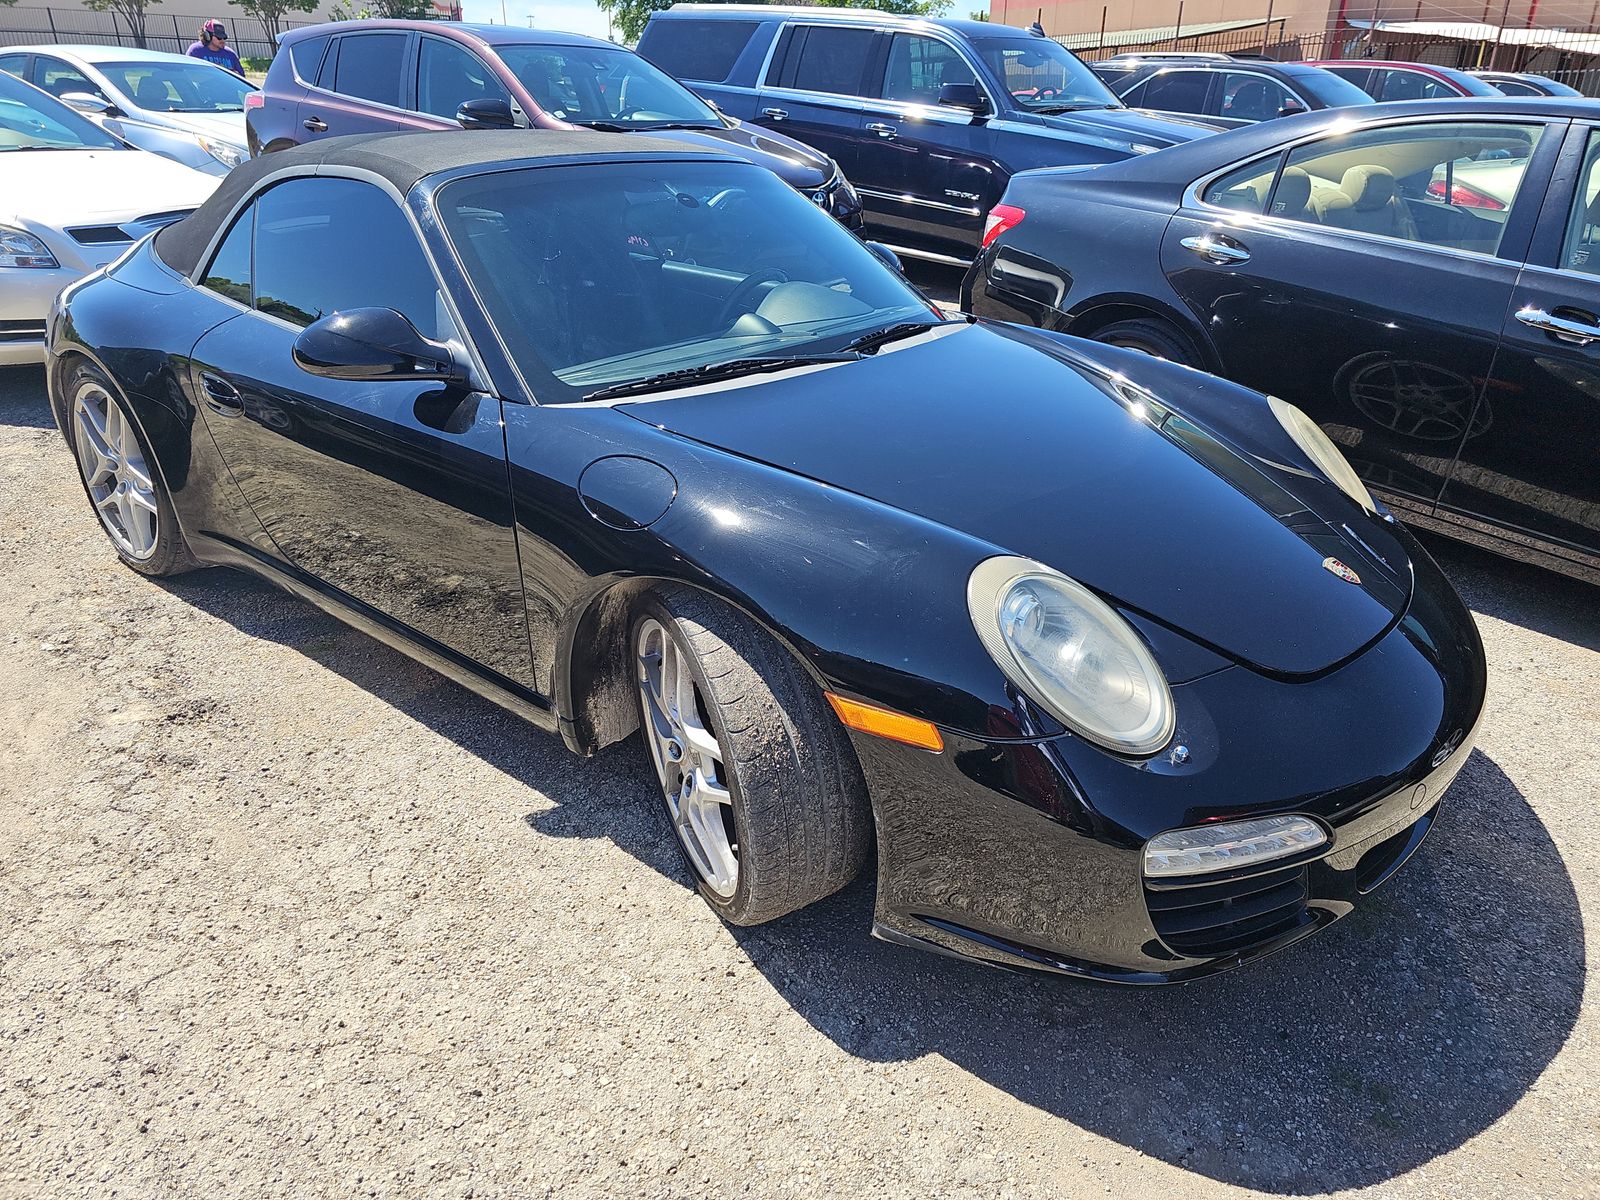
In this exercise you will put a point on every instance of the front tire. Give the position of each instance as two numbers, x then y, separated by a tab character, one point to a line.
761	785
124	489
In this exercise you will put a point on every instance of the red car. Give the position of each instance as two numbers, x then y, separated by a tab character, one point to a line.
1407	80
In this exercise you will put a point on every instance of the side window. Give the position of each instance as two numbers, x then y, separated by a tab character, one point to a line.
1511	87
830	59
1360	76
1448	184
13	64
324	245
1246	188
702	50
1413	85
919	67
1177	91
369	67
1252	97
1581	249
1134	96
330	65
58	78
306	56
448	76
229	272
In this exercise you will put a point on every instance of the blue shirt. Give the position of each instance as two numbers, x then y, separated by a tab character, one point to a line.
223	58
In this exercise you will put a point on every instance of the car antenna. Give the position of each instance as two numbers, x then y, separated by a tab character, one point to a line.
1037	28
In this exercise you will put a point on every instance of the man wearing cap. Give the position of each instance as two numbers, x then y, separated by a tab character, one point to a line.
213	47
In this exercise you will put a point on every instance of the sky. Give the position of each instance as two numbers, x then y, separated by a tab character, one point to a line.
569	16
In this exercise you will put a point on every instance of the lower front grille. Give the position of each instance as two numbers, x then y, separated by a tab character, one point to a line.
1204	920
21	331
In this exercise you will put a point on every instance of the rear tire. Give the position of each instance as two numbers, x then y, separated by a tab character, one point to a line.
1152	336
761	784
119	477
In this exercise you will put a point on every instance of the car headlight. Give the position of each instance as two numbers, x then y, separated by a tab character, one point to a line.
20	249
1229	845
1320	449
228	156
1071	653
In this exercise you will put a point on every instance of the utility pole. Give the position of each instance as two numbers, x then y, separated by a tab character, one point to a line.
1266	31
1177	30
1494	56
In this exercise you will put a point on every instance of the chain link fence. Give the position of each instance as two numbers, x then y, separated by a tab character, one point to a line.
173	32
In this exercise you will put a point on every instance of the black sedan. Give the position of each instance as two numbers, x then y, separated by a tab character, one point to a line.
1121	667
1423	279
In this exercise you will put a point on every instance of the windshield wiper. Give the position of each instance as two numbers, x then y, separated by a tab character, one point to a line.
1051	110
605	126
867	343
678	125
711	372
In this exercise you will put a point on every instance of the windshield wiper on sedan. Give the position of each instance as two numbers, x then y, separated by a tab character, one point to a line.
1050	110
605	126
678	125
867	343
711	372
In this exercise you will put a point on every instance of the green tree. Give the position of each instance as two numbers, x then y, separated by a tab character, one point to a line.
271	13
912	8
131	11
628	17
393	10
977	14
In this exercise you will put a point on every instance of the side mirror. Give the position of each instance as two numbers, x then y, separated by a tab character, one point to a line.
887	256
965	96
374	343
84	102
485	114
1290	108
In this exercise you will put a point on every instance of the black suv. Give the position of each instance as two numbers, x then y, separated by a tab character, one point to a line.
928	118
1219	86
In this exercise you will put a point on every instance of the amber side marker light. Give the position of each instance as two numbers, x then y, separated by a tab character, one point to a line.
881	722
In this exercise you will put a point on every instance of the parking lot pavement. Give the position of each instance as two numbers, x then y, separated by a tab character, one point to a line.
285	914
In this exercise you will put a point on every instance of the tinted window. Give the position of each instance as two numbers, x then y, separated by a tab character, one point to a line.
330	66
1413	85
369	67
831	60
607	84
1043	75
661	266
1177	91
919	67
1358	77
696	49
1515	87
448	76
229	272
306	56
1251	97
13	63
1333	91
1581	250
1450	184
1246	188
57	78
324	245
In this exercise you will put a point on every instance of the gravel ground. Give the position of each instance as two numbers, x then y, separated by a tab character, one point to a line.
285	914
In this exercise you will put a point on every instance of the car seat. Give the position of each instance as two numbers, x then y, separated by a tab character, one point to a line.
151	93
1252	102
1368	201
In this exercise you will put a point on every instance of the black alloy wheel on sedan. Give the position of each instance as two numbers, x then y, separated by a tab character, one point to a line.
1422	279
1124	673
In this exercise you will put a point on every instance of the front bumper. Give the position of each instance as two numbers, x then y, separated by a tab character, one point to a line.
1028	853
25	299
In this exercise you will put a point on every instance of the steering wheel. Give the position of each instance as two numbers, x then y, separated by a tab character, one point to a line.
734	305
1045	93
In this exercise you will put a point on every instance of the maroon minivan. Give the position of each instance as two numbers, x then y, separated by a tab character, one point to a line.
386	76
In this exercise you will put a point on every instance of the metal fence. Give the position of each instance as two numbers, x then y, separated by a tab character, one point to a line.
173	32
1570	56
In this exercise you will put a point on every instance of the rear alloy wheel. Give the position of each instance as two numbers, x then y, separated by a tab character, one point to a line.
124	491
761	785
1152	336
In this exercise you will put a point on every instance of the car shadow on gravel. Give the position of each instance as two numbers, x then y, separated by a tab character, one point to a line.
23	402
1395	1037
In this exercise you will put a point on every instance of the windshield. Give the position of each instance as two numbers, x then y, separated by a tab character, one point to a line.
592	84
1043	75
1328	88
187	87
31	120
607	274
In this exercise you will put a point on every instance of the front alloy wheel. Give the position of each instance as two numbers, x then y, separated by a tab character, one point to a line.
115	472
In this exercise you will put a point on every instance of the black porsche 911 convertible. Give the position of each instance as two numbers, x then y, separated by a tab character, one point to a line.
1119	665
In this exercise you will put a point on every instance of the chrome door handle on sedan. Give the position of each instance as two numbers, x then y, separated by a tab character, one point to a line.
882	130
315	124
1216	249
777	114
1580	333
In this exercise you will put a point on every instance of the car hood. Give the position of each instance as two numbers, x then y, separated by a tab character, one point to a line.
55	189
1135	125
224	127
798	166
998	434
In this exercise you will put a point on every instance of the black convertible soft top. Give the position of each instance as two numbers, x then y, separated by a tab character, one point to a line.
402	159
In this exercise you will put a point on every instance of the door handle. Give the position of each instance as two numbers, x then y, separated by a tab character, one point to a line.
882	130
777	114
1579	333
1216	249
221	396
315	124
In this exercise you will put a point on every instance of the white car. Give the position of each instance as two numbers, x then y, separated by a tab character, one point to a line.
72	199
180	107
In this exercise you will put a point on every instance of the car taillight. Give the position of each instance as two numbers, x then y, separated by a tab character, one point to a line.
1001	218
1462	196
255	100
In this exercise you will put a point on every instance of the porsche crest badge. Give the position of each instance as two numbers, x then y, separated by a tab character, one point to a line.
1339	569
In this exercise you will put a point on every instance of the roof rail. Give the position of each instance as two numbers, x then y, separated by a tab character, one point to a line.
1180	55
